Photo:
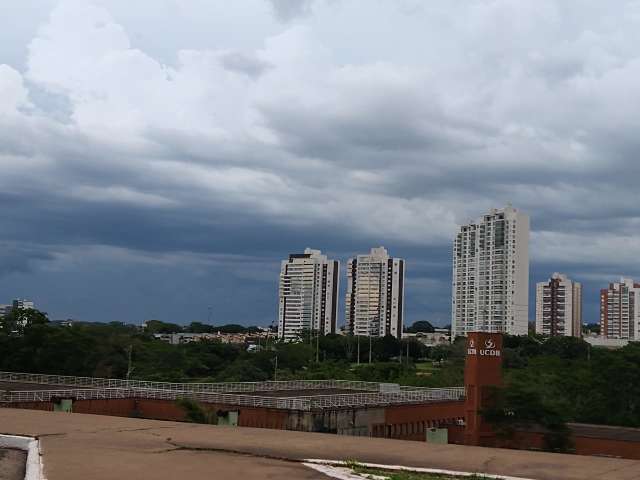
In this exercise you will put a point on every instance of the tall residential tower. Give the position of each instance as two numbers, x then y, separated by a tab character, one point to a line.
491	274
620	310
308	294
559	307
375	294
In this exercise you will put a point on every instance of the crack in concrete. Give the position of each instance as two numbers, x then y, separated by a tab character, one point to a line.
235	452
485	464
142	429
45	435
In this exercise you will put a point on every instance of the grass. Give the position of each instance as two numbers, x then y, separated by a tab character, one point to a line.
400	475
425	369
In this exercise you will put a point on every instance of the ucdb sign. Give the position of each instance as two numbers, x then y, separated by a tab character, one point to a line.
482	374
487	348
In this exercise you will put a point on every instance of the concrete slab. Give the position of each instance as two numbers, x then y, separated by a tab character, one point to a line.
77	446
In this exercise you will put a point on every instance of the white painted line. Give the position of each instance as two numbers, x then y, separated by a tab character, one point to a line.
341	463
340	473
34	469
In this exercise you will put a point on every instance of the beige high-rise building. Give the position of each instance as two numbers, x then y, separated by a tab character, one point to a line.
559	307
374	303
620	310
308	294
491	274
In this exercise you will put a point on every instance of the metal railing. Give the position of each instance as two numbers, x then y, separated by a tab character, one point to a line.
348	400
232	387
78	394
357	394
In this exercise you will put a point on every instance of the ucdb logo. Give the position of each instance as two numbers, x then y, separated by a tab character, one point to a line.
489	349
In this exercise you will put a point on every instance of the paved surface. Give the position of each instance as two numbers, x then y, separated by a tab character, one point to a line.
12	464
77	446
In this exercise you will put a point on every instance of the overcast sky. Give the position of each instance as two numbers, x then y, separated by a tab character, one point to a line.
160	157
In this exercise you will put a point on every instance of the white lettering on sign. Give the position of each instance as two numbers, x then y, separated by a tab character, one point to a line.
489	349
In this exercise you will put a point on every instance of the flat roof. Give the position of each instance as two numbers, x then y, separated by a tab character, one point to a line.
78	446
286	395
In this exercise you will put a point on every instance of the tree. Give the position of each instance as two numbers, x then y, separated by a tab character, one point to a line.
592	328
566	347
19	319
384	348
199	327
195	412
519	406
421	326
157	326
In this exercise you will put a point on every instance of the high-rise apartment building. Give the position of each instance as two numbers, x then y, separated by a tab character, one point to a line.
18	304
559	307
491	274
375	294
620	310
22	304
308	294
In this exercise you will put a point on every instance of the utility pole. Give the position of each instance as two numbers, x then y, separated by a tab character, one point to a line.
358	361
275	373
370	341
129	362
318	347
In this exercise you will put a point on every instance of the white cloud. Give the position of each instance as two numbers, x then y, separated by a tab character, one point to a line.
13	93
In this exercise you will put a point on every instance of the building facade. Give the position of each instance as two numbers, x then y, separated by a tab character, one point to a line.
559	307
374	303
22	304
491	274
620	310
18	304
308	297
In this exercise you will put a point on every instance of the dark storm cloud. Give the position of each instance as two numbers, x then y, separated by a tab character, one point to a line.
21	258
173	187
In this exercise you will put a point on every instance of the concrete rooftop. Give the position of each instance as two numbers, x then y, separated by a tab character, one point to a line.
77	446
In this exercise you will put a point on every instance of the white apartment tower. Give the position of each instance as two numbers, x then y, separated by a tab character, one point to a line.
559	307
491	274
620	310
308	294
375	294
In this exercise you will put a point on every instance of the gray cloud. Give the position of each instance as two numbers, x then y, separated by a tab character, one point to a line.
286	10
264	137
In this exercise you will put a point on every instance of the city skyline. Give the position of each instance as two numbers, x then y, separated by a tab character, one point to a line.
340	268
160	162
